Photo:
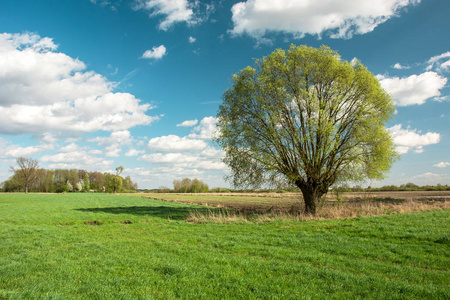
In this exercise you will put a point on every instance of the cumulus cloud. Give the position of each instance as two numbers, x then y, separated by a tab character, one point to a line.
206	129
134	152
9	150
415	89
174	143
175	11
208	159
340	19
44	91
187	156
188	123
442	165
73	156
113	111
409	139
114	143
32	74
192	39
118	137
155	53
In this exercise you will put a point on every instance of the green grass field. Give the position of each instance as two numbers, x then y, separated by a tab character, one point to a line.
52	247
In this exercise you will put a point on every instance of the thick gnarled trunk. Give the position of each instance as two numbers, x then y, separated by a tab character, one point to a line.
311	197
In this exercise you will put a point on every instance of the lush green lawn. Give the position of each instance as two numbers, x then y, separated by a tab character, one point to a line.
144	249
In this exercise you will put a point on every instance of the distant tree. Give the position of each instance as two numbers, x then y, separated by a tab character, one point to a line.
119	170
26	171
306	117
97	181
128	184
73	177
187	185
176	185
164	189
79	186
116	183
69	186
86	182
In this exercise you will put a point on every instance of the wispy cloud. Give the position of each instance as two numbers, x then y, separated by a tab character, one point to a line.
174	11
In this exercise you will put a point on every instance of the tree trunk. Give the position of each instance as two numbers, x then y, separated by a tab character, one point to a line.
311	198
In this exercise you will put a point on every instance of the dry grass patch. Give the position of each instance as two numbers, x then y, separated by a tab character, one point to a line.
331	210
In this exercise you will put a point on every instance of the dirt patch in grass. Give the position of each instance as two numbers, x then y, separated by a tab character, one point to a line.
94	223
64	224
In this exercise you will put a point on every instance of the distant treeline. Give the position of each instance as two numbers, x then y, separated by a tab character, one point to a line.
65	180
393	188
187	185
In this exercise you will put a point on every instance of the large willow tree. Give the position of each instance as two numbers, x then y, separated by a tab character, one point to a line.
308	118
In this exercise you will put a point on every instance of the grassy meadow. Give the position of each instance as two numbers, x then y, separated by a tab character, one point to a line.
101	246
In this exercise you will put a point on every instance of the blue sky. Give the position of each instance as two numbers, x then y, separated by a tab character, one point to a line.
94	84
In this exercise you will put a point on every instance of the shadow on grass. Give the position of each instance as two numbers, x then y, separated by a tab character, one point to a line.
164	212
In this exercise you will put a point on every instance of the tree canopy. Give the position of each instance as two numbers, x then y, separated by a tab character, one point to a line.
307	118
26	172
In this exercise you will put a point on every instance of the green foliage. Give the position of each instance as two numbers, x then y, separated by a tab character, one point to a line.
64	180
307	118
86	183
26	173
116	183
145	250
187	185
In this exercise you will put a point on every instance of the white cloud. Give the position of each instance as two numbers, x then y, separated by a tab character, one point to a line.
442	164
415	89
155	53
113	111
31	74
76	157
114	143
341	19
115	138
192	39
441	62
206	130
8	150
398	66
134	152
44	91
188	123
173	143
208	159
174	11
175	158
407	140
427	175
16	151
47	138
